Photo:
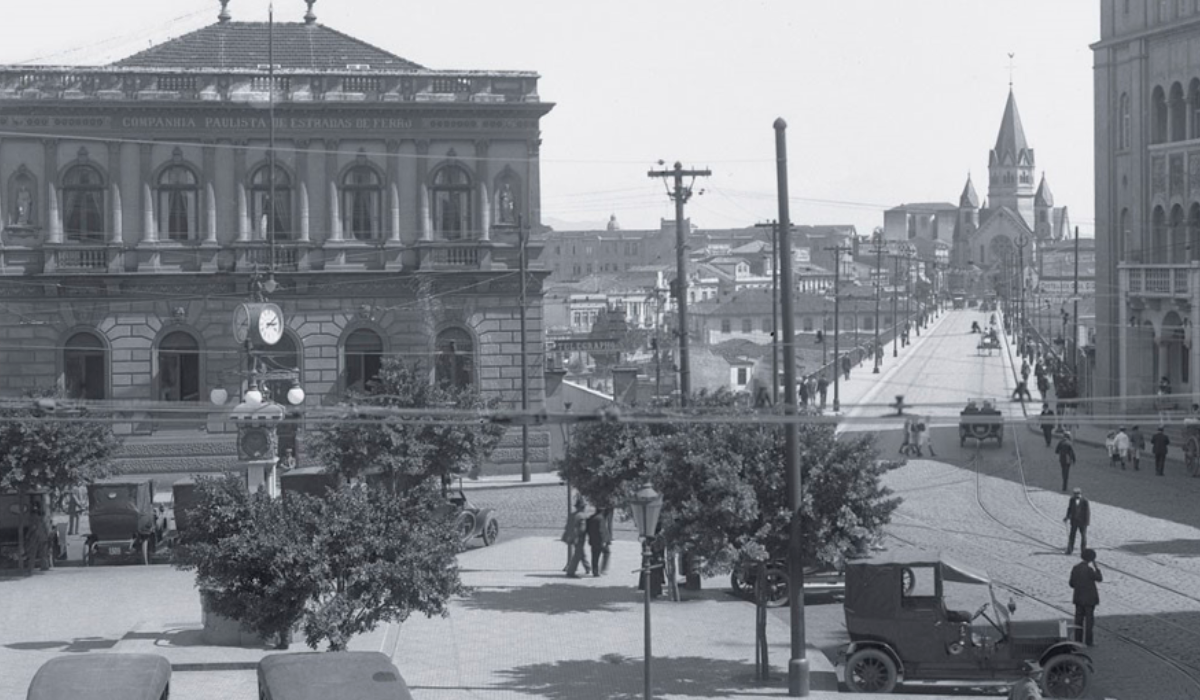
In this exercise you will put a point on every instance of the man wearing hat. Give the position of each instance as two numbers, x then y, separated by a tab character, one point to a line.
1158	446
1027	687
1084	576
1066	457
1079	515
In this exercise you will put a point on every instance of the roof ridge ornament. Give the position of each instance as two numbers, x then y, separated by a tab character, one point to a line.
309	17
224	16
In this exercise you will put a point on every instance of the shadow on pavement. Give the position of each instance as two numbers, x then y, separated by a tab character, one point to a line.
616	677
80	645
1187	548
553	599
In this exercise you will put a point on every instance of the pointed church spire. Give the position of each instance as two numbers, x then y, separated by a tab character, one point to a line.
969	198
1044	197
1011	139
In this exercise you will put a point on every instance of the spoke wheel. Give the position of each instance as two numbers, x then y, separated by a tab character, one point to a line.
870	671
491	532
776	584
741	581
465	526
1066	676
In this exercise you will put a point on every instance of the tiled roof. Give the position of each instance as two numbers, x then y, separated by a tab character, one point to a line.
296	45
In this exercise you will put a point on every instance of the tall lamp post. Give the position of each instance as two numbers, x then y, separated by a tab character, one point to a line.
647	506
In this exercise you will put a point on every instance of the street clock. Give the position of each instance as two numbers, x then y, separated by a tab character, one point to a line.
260	322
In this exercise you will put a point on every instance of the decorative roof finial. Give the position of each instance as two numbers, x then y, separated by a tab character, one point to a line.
1010	69
224	16
309	17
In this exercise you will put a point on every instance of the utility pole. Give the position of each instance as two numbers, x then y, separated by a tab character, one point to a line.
797	661
774	310
895	311
837	278
681	195
878	292
1021	243
522	236
908	285
1075	315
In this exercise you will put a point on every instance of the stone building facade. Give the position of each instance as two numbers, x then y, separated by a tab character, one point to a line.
141	201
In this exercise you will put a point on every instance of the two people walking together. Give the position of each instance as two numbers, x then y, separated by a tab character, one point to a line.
586	531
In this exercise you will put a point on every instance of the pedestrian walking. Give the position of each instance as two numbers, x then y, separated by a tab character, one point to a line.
75	508
40	540
1110	446
575	534
1137	443
803	393
1026	688
1021	393
598	538
846	365
1079	515
823	388
1048	419
812	389
1121	445
1158	447
1066	457
1025	370
1084	577
923	438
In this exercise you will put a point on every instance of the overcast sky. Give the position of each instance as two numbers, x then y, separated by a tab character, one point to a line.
887	101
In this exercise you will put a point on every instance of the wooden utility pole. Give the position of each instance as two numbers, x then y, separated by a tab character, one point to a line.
681	194
774	309
1075	316
523	235
878	236
1021	243
837	317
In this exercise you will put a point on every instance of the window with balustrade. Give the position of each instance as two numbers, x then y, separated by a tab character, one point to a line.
362	203
178	203
178	367
454	365
451	195
363	358
277	202
83	204
85	367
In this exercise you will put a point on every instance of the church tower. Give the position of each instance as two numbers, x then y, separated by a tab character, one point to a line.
1010	166
1043	205
967	223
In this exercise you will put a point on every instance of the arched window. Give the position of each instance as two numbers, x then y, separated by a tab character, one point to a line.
1124	123
85	367
260	199
178	367
1158	115
362	202
1193	233
83	204
178	198
1178	113
1160	236
1177	251
1194	108
451	203
455	364
364	356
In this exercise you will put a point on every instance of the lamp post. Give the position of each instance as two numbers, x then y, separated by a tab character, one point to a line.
646	505
907	292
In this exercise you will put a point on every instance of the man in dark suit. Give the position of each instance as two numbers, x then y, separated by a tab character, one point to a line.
1084	576
1066	457
1158	445
1079	514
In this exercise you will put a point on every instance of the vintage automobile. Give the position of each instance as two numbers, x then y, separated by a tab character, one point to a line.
471	521
988	342
123	519
818	580
901	631
981	420
364	675
18	515
103	677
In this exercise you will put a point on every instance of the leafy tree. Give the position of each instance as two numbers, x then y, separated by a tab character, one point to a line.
724	486
406	447
336	566
44	446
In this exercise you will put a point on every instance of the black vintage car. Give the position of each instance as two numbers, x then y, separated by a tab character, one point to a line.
123	520
901	631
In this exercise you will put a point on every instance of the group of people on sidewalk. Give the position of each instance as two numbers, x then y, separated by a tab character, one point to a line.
588	530
1125	448
917	438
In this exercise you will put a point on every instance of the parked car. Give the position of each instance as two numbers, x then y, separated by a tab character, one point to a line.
818	579
471	521
901	631
102	677
123	520
363	675
18	518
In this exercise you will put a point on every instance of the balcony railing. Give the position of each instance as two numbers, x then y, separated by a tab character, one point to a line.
1159	281
454	255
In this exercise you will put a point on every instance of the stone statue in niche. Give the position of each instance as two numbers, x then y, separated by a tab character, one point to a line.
22	216
508	205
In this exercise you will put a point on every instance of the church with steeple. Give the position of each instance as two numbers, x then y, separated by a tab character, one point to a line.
986	235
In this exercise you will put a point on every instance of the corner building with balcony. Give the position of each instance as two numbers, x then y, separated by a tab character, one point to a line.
1147	145
136	205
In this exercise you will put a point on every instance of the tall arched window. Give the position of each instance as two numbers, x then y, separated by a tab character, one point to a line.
83	204
1178	236
178	198
1158	115
1159	242
451	195
85	367
364	356
1124	123
455	364
1178	108
178	367
1194	108
362	202
260	199
1193	233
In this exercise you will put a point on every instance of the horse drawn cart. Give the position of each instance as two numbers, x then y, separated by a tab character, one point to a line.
981	422
988	342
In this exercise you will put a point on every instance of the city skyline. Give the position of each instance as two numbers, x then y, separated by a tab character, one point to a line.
701	82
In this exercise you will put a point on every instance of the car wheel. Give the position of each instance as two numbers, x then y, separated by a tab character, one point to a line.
739	581
1066	676
870	671
776	583
464	525
146	551
491	532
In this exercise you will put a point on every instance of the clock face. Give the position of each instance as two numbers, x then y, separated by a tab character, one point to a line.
270	324
241	323
255	443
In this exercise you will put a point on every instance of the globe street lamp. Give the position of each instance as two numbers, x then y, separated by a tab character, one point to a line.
646	505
